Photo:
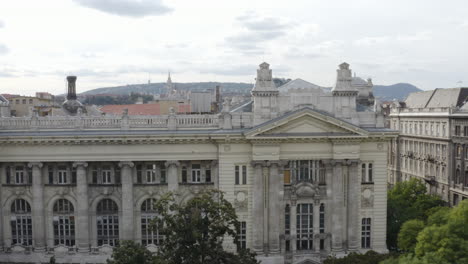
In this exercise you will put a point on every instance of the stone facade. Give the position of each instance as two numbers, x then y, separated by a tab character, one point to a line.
432	145
306	181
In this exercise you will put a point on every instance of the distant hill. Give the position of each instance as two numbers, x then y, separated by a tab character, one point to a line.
397	91
384	92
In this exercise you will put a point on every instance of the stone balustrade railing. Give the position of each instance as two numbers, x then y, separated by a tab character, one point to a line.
171	122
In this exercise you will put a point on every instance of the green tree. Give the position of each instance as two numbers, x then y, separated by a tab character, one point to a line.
129	252
407	200
408	233
194	231
370	257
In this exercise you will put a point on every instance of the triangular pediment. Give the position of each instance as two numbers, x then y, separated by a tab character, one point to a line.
306	123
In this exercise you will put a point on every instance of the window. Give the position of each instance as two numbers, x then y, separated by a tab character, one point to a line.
8	174
287	219
17	101
457	130
322	218
465	131
30	101
163	174
457	176
196	173
307	170
366	172
240	171
287	174
64	223
466	178
94	173
24	101
148	214
21	223
62	175
151	173
107	215
459	151
106	175
19	175
139	173
455	199
366	233
304	226
208	174
242	232
184	174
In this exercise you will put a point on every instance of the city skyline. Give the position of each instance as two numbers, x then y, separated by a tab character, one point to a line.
40	43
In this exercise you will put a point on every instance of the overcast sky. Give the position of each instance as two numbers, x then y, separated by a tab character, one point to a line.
117	42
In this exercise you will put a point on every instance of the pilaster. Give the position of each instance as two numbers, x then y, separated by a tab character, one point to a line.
338	206
127	200
353	206
275	203
38	206
172	174
258	208
82	220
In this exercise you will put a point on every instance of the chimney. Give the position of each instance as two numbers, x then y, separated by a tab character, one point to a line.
71	88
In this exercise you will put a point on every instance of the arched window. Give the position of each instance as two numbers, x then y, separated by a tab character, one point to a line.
304	226
64	223
322	218
457	176
149	234
21	223
107	214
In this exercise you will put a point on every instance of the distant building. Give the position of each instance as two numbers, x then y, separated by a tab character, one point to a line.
26	105
201	102
5	110
159	107
433	142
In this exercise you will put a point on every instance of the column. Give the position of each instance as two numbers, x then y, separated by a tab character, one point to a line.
316	225
258	208
38	206
338	205
293	227
214	174
353	206
82	220
127	200
275	203
172	175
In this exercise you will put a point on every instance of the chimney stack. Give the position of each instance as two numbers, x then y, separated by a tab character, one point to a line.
71	88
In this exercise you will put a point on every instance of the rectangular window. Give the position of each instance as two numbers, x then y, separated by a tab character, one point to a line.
163	174
307	170
184	174
465	131
236	175
73	172
196	173
208	174
8	174
244	175
139	173
457	130
367	173
366	233
106	175
304	226
287	174
322	218
287	220
151	173
19	175
62	175
242	231
94	174
118	175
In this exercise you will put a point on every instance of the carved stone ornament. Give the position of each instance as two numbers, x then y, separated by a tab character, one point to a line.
241	200
367	197
306	189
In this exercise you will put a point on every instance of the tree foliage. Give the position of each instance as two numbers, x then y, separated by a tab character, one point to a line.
370	257
129	252
408	233
407	200
195	231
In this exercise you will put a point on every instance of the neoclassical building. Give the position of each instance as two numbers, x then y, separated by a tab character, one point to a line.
433	142
305	169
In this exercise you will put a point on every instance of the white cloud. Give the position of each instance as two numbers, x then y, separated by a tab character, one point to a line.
130	8
3	49
2	24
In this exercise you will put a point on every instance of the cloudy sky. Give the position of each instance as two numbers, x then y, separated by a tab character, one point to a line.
118	42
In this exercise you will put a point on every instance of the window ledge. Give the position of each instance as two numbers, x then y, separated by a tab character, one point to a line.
105	184
16	185
151	184
367	183
61	185
196	183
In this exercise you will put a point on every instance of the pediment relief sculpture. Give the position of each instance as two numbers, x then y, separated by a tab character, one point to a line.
306	189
